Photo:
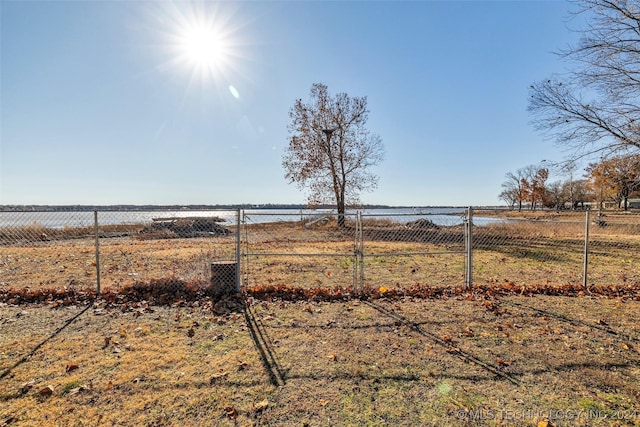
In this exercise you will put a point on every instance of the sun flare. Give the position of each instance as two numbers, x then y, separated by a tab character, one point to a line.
203	48
204	39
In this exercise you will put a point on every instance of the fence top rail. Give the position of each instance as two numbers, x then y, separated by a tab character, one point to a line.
296	214
413	214
56	209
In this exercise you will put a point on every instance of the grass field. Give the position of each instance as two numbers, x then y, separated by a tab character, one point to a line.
508	361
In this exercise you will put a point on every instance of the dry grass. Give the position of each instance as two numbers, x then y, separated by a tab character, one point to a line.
514	361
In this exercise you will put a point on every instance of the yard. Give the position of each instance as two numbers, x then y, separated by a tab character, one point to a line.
528	345
463	360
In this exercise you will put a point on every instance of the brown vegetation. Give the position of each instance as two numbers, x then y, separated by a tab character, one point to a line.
507	360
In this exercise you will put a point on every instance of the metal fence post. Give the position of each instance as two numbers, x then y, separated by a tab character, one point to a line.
469	249
95	223
359	255
586	250
238	250
356	249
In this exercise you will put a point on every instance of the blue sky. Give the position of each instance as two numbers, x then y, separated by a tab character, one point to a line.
101	103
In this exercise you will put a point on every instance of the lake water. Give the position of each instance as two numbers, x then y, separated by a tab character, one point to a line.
62	219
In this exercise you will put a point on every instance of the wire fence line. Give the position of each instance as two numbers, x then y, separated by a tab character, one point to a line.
309	249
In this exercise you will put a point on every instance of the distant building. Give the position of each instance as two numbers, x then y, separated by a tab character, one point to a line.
633	203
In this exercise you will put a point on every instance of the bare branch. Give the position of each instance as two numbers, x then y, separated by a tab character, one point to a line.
595	109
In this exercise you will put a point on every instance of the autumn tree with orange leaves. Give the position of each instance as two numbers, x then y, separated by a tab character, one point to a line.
526	185
615	179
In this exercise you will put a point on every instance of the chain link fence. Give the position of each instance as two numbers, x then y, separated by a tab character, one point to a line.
111	249
311	249
556	248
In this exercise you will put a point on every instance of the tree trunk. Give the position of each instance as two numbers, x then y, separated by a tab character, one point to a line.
341	209
341	222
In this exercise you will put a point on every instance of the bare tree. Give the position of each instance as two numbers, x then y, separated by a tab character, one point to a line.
577	192
509	196
512	192
555	196
330	150
595	107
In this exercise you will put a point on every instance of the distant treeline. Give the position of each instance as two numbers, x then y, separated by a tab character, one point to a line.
90	208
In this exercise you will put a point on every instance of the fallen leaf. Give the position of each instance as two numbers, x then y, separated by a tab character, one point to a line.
231	412
602	322
323	402
503	362
333	357
191	332
46	391
72	367
261	406
107	341
546	424
242	366
383	289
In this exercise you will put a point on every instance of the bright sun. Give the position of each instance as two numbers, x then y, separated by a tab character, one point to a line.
203	48
203	39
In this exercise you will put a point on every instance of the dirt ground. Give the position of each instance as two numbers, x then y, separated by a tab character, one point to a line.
452	361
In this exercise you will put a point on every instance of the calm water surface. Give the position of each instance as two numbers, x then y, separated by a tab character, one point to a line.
440	216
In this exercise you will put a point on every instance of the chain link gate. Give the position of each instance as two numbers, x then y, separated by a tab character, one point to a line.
383	250
403	250
304	250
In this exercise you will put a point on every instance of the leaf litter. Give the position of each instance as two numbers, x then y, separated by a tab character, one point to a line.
345	360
